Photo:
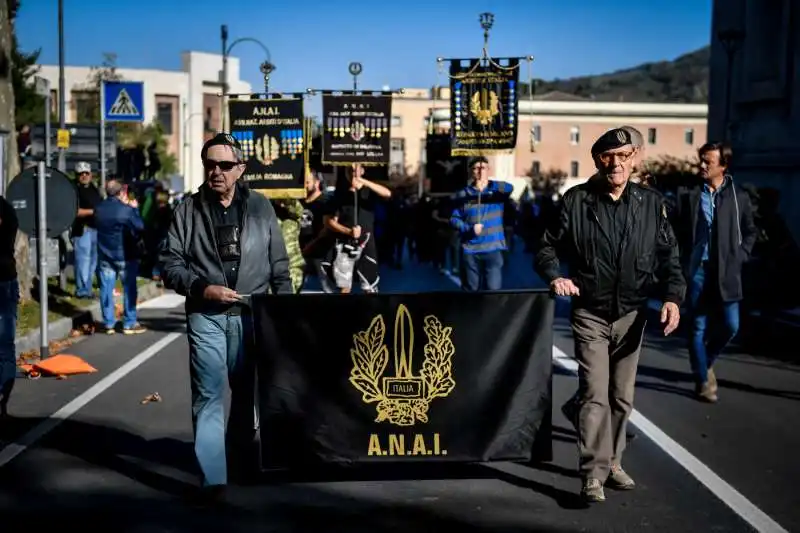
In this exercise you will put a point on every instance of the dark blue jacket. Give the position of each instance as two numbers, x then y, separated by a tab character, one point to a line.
118	225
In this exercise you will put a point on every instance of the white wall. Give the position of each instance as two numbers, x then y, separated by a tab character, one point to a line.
187	85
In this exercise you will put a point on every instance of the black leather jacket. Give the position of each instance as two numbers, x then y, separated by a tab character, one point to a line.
190	260
648	264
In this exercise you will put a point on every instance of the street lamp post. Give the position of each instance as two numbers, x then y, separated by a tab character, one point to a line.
62	97
267	67
730	40
355	69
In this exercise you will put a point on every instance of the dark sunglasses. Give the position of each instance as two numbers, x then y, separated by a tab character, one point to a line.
224	166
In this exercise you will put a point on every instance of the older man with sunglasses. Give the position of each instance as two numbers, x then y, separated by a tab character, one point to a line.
224	243
618	244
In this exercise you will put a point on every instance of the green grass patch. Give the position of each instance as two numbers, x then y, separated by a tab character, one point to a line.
61	304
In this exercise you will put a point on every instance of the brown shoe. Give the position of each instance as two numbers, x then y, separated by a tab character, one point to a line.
705	393
592	491
712	381
619	479
134	330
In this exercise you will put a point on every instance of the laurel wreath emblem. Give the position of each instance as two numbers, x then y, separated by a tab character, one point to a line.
371	356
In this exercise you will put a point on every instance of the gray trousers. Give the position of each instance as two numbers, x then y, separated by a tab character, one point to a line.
607	354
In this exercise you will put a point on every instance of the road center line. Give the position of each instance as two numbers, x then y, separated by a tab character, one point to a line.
731	497
15	448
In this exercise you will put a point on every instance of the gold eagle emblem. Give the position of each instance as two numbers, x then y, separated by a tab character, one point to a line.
485	105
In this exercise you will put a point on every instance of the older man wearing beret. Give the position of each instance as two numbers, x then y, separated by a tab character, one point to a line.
617	243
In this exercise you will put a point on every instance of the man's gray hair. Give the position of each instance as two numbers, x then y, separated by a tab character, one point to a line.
637	140
113	188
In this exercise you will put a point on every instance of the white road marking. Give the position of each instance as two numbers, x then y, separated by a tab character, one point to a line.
731	497
11	451
165	301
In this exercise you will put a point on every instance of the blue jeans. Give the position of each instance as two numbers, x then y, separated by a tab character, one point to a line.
714	323
127	272
9	299
484	267
85	249
216	353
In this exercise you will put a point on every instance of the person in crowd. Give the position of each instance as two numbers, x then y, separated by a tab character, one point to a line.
315	239
119	230
84	233
290	212
351	216
618	243
224	243
9	299
478	216
716	231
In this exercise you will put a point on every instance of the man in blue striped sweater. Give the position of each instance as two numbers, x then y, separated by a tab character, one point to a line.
478	217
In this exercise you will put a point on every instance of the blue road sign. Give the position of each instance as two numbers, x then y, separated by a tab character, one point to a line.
124	101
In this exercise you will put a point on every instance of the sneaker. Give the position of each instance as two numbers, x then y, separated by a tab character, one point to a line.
619	479
705	393
712	381
135	329
592	491
111	330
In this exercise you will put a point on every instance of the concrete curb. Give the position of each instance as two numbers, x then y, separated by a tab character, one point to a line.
61	328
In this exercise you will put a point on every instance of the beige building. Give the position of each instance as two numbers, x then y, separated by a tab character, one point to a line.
556	131
764	107
185	102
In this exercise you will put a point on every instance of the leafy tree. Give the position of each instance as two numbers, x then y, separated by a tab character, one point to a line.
28	104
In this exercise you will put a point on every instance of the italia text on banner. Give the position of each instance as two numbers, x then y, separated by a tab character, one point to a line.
457	377
356	129
447	173
484	106
271	133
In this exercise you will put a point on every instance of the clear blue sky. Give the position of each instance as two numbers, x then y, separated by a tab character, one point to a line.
312	41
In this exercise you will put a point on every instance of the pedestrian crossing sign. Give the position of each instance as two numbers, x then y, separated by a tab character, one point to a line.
123	101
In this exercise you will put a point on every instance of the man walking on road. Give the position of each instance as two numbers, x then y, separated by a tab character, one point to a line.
224	243
615	237
84	234
478	215
119	228
715	227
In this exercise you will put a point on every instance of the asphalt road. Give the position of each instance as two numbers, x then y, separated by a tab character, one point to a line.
85	451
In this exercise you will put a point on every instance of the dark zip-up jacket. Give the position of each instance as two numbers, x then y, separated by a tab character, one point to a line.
733	235
191	262
647	266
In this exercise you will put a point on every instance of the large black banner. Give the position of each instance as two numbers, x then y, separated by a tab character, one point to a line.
484	107
356	129
458	377
272	136
446	173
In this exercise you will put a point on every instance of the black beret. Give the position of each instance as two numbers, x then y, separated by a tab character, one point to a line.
220	139
610	140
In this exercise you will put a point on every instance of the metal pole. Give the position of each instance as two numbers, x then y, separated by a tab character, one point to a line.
48	150
41	246
62	97
728	84
223	114
102	136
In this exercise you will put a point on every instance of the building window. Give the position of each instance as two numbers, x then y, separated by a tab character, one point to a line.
688	136
536	133
573	169
86	107
397	145
536	170
575	135
396	169
164	116
651	135
397	121
207	120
